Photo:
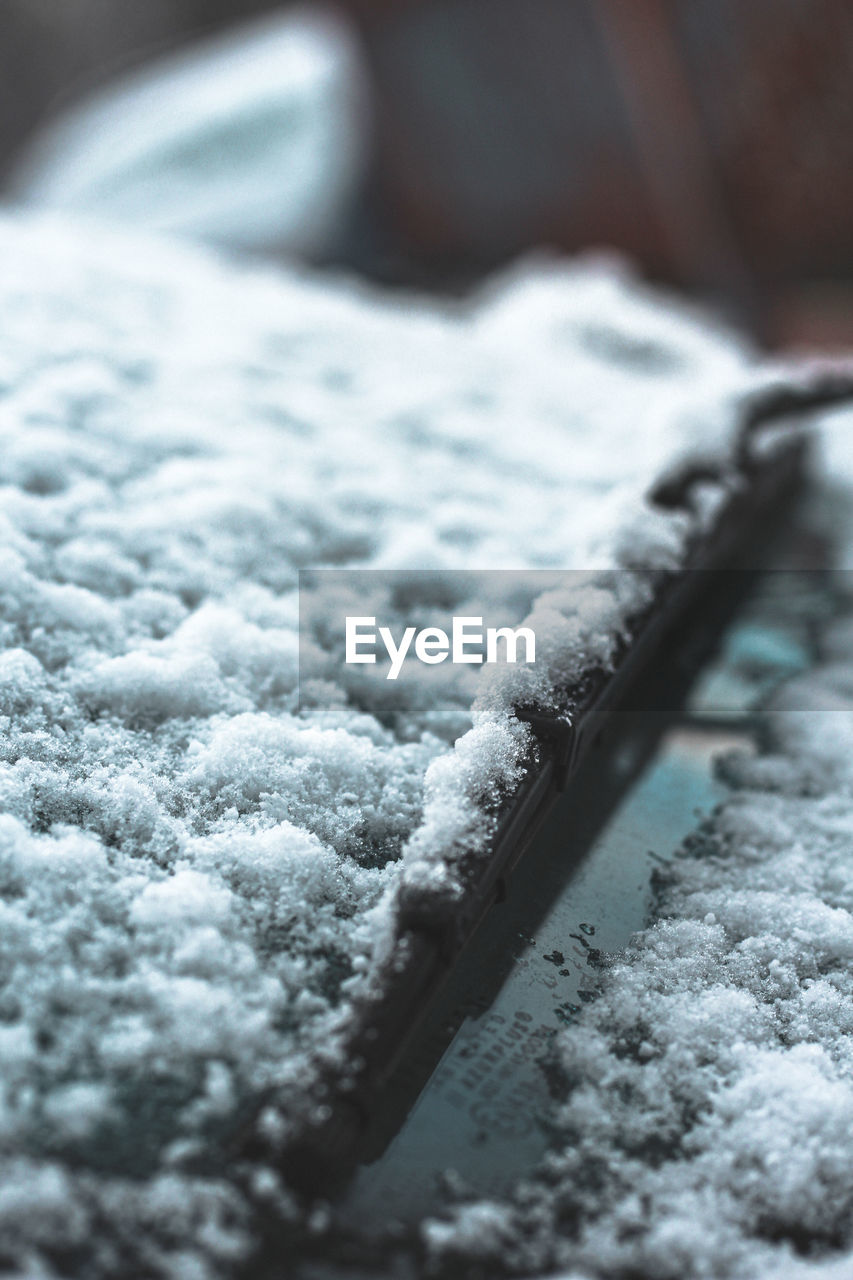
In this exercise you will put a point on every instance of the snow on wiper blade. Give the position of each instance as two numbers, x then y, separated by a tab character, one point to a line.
435	918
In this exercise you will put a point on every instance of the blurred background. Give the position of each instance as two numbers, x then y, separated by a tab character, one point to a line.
711	140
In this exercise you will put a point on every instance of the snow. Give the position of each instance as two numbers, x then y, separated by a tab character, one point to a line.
197	876
703	1103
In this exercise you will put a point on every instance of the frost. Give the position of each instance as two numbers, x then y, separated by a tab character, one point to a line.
196	877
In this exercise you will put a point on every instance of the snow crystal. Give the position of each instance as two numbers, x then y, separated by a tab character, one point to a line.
196	876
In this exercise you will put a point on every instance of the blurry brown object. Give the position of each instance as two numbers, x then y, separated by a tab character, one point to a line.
711	139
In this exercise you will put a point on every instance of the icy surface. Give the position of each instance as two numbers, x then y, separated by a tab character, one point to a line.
195	880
